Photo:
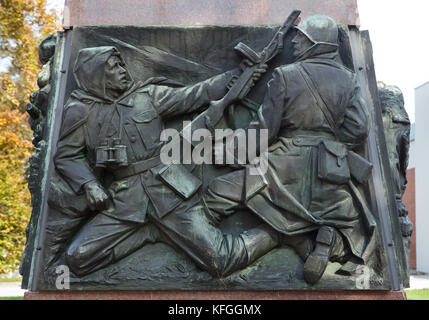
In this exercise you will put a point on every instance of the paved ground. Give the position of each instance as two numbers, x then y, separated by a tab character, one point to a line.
13	289
419	282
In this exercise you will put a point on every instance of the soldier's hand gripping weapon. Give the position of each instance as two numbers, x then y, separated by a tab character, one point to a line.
242	84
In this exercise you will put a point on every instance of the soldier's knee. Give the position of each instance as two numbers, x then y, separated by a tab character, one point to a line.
215	267
221	263
210	198
77	258
217	186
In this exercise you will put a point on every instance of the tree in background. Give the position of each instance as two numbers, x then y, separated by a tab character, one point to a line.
23	24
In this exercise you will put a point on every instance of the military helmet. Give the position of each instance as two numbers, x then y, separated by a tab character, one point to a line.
319	29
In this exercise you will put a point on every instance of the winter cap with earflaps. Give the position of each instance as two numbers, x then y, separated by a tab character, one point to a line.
89	69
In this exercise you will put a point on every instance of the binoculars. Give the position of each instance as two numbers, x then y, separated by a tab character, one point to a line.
111	153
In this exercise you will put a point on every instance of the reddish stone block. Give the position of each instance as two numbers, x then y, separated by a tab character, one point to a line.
202	12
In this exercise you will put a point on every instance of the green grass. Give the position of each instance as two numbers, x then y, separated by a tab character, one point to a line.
10	280
11	298
422	294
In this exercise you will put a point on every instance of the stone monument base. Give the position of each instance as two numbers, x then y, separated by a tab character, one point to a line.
216	295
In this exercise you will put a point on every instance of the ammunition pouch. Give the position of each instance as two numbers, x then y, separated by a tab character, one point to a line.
180	180
360	168
336	164
333	165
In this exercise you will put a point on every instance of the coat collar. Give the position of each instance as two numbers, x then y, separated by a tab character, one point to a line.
126	99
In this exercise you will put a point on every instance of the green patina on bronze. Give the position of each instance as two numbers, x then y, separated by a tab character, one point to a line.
119	218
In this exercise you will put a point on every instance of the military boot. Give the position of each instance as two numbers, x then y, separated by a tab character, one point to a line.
259	241
303	244
317	261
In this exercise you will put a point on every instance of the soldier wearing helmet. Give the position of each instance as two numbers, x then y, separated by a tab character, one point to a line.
315	117
316	35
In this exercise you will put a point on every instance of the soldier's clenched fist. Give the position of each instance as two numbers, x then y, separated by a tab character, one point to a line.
96	196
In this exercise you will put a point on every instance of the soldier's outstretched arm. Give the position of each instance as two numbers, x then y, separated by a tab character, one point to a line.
174	101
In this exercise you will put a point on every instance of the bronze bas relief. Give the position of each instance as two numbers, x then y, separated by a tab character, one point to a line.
309	212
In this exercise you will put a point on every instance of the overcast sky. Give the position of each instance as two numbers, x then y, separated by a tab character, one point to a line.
399	33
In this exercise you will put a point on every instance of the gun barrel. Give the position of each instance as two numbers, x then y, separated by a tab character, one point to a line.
268	53
291	19
276	42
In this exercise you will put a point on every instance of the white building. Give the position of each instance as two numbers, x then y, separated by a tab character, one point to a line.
419	158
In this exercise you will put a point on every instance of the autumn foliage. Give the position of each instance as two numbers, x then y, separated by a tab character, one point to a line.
23	23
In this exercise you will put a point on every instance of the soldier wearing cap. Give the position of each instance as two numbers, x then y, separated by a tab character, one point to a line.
112	127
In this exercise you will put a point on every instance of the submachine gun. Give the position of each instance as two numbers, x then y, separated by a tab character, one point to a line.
241	85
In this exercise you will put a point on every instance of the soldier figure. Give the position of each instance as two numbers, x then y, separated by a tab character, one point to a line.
397	132
112	125
315	118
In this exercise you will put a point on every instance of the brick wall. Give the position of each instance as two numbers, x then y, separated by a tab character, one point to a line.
409	200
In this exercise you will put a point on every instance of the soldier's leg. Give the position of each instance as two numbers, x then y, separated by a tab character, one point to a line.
192	229
225	194
104	240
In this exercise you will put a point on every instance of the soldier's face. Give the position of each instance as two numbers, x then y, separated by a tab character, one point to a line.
116	80
300	44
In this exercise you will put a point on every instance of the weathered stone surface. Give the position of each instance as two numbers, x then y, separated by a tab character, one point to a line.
201	12
217	295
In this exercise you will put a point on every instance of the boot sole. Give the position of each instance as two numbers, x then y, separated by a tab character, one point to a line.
316	264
